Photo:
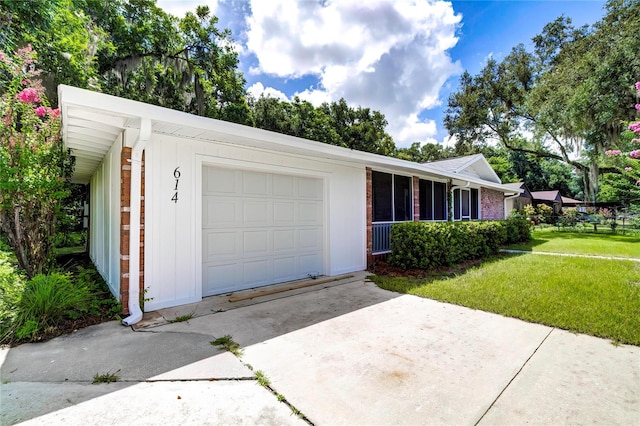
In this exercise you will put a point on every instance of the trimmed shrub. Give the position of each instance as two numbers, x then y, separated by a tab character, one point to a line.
422	245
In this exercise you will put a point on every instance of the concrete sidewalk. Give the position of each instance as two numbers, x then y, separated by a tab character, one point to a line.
349	353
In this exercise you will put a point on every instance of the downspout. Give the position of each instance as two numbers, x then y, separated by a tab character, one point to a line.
452	204
135	313
511	197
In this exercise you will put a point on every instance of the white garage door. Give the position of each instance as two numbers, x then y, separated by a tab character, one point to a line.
259	228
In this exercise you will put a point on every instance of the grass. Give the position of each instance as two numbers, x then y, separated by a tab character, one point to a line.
181	318
592	296
107	377
262	379
227	343
550	240
72	296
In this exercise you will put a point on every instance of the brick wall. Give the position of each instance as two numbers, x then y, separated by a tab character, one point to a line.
125	210
492	204
369	185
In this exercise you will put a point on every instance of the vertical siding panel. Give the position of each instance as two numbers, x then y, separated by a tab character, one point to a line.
114	212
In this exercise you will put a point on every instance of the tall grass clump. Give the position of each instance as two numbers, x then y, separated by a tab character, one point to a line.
48	299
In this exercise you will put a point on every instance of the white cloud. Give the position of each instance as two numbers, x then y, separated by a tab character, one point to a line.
180	7
390	56
258	89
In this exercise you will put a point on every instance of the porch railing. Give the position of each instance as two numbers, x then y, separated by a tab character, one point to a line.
381	237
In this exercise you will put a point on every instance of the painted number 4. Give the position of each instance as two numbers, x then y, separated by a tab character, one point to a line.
176	175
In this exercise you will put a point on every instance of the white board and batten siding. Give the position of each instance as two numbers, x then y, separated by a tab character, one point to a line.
104	233
220	217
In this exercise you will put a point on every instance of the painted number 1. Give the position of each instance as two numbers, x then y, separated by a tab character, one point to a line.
176	175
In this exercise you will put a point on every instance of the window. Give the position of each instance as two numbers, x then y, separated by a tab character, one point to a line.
465	204
440	201
433	200
382	196
475	204
392	197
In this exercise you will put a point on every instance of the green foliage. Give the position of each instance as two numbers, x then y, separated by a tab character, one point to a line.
572	92
423	245
30	310
107	377
333	123
34	166
262	379
228	344
422	153
46	300
181	318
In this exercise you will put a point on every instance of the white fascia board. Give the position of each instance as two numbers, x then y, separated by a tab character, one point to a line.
241	134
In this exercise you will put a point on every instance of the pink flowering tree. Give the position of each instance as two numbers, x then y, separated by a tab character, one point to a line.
627	161
34	165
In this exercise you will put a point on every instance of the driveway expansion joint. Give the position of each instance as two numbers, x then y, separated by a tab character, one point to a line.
515	375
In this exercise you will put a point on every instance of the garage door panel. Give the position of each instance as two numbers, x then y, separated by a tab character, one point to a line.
310	188
255	183
283	186
310	264
220	244
268	230
310	239
310	212
220	212
224	181
219	278
284	213
257	272
284	269
284	240
255	243
255	213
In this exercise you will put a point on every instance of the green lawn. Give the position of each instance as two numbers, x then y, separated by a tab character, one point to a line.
592	296
550	240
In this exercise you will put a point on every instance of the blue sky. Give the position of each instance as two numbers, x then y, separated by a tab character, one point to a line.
400	57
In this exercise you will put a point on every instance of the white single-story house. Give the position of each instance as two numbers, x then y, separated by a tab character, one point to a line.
219	207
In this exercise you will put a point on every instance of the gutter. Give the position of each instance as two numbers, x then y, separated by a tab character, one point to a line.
135	312
453	188
505	202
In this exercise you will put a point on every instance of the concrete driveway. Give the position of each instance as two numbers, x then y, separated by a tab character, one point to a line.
344	353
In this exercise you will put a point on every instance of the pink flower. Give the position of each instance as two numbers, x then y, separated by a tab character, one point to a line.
635	127
636	140
53	112
638	107
628	169
613	152
28	95
40	111
26	82
638	86
635	154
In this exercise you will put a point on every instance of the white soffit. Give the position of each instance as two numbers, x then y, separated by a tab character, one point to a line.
92	122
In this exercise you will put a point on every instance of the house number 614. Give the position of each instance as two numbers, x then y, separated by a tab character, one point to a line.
176	175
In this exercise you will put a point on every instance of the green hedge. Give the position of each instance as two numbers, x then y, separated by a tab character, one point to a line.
425	245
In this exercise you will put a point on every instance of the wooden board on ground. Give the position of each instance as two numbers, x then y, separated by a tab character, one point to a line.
274	290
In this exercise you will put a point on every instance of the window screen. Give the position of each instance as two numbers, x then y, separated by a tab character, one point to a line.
402	198
466	208
382	196
475	205
439	201
426	199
